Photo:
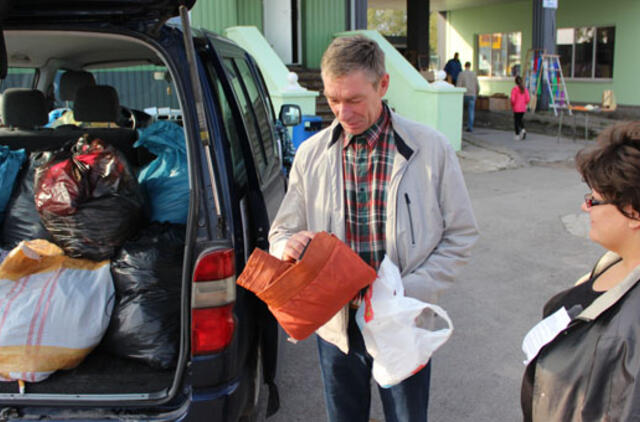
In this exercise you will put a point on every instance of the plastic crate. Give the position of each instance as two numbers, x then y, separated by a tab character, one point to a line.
306	128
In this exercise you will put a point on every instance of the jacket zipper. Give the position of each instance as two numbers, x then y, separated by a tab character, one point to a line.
413	236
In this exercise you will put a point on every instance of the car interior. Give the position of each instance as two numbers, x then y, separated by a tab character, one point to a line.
112	86
109	86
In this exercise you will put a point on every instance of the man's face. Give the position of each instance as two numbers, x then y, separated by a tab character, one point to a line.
355	100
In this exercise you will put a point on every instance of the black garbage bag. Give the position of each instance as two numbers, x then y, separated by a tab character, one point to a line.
147	273
22	221
88	199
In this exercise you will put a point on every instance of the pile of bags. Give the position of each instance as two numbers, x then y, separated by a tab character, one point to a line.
96	249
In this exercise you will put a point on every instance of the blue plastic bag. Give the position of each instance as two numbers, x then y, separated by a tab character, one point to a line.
10	163
165	179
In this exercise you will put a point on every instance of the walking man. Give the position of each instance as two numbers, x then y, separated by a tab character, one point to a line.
384	185
468	79
453	69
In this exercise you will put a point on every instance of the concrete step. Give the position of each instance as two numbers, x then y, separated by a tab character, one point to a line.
310	79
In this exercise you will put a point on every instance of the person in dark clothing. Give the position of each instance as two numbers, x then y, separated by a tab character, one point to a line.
453	68
586	368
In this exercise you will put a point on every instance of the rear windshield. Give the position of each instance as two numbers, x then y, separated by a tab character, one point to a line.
144	88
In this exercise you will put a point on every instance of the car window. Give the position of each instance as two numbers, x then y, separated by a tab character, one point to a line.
239	167
140	87
147	88
19	78
263	113
257	148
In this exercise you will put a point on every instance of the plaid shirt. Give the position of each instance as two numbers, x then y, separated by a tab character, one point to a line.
367	161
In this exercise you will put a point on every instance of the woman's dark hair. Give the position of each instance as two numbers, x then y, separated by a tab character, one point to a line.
519	83
612	166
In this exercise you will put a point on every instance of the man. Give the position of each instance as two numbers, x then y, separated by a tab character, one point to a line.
384	185
453	68
468	79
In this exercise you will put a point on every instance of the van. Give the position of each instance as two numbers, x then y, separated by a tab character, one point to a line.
162	69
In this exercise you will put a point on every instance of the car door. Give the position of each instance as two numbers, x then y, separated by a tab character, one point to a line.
255	164
258	119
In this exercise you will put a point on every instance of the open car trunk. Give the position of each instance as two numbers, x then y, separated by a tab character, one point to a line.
124	381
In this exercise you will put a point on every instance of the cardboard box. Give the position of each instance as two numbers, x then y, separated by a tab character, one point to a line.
608	100
482	102
499	104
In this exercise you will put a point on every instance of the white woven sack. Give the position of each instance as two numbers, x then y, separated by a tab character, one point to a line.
387	320
53	310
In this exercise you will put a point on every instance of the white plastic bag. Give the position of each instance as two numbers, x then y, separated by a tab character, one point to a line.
387	320
53	310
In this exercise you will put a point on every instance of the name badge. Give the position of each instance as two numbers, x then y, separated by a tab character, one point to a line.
544	332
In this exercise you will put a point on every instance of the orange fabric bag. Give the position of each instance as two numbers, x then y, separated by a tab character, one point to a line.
305	295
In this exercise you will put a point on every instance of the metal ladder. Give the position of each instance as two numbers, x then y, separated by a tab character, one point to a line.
556	87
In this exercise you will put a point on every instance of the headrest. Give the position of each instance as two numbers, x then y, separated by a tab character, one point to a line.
72	80
24	108
96	104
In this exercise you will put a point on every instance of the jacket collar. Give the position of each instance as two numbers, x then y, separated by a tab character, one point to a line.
403	142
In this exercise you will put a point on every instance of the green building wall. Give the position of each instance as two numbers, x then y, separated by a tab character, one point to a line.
220	14
250	12
625	16
464	25
320	20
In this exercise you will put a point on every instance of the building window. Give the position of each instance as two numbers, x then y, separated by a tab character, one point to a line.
498	54
586	52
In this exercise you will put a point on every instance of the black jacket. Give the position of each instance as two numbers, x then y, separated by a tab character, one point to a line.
589	371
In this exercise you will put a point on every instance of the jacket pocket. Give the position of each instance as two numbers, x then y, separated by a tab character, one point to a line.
408	201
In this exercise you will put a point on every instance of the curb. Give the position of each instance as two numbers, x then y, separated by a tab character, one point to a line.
514	156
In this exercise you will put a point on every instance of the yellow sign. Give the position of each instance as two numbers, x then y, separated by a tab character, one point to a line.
497	42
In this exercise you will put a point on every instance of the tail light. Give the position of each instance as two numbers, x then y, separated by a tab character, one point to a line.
213	294
212	329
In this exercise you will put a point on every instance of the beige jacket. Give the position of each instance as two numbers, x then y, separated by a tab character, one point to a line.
430	224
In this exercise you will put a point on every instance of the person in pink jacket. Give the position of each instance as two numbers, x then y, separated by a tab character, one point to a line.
519	101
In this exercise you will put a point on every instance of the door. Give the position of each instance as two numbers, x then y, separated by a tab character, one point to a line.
281	28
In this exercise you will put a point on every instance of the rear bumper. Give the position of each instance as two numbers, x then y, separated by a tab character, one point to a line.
221	404
214	404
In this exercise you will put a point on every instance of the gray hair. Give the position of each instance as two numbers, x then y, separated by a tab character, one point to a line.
348	54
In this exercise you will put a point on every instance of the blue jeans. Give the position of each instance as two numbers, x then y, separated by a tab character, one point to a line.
347	388
470	106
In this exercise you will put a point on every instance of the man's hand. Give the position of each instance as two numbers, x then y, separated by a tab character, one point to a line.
296	244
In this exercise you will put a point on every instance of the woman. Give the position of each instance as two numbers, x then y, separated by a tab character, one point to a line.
588	371
519	101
